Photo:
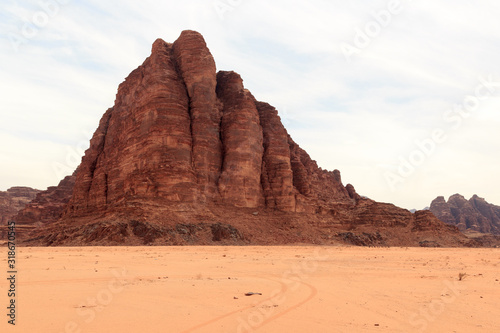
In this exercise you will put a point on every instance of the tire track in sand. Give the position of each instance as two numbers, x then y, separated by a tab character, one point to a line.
284	289
313	293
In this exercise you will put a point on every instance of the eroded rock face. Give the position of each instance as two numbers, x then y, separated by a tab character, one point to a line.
143	146
277	174
48	205
188	156
183	133
13	200
474	214
242	140
197	68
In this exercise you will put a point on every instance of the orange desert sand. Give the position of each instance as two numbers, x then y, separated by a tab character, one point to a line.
304	289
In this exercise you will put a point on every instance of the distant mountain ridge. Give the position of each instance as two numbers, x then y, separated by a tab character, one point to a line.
11	201
415	210
475	214
14	199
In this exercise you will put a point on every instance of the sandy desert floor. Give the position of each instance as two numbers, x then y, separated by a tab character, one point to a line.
304	289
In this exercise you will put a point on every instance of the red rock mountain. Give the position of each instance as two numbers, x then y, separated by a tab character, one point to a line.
11	201
187	155
474	214
14	199
181	132
48	205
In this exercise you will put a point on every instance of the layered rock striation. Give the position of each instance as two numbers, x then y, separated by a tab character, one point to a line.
182	132
475	214
48	205
187	155
13	200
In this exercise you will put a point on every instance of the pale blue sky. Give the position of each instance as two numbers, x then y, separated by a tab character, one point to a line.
414	60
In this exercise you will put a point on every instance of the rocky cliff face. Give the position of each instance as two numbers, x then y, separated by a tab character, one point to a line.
14	199
188	156
48	205
183	133
11	201
474	214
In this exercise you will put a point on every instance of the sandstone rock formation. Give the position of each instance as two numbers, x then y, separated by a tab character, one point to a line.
183	133
14	199
188	156
474	214
48	205
11	201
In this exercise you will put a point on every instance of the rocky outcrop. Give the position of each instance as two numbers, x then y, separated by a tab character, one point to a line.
441	209
474	214
188	156
242	143
48	205
13	200
181	133
276	174
196	68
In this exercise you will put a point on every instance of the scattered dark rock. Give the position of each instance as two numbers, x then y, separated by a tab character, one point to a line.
252	293
225	231
427	243
364	239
